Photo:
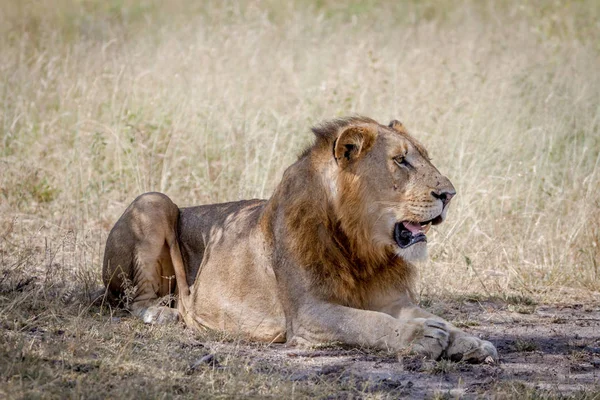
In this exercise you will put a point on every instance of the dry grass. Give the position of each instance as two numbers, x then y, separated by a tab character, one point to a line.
210	101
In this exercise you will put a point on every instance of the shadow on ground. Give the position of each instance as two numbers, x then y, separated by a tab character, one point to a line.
52	346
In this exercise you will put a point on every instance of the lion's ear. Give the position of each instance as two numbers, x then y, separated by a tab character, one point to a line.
353	143
397	126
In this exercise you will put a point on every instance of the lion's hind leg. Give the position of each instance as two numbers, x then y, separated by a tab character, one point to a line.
154	279
137	262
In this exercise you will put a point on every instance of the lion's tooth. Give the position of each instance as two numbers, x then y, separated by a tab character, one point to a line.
426	228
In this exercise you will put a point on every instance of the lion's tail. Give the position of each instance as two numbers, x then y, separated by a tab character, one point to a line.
183	288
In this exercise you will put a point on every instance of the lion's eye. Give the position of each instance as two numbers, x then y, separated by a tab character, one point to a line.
401	162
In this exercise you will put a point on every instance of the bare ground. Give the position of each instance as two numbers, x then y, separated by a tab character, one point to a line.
554	348
551	350
52	347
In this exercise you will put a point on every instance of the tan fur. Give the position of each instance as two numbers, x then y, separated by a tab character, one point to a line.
317	262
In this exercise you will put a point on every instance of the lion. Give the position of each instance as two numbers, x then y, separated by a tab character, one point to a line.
328	258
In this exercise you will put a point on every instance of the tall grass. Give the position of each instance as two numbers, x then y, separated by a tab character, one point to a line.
210	101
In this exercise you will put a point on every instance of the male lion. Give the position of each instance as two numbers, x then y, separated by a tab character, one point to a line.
327	258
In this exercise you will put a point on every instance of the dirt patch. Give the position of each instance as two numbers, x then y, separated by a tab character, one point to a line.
49	349
553	350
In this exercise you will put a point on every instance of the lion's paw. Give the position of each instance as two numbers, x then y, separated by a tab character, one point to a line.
160	315
472	350
432	338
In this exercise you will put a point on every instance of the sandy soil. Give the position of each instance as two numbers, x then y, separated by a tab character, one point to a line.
554	350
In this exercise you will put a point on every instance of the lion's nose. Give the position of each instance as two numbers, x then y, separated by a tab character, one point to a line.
444	196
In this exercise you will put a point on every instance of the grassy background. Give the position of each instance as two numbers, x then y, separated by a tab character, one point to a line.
210	101
101	101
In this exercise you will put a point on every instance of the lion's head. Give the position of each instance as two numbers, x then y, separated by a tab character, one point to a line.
356	207
385	190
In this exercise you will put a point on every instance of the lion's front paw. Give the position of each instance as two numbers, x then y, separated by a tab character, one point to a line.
431	338
471	349
160	315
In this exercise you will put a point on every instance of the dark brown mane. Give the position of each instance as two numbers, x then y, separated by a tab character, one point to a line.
332	243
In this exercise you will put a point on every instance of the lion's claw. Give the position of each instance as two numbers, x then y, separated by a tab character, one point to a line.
434	338
472	350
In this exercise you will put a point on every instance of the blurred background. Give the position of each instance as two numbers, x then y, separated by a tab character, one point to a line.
210	101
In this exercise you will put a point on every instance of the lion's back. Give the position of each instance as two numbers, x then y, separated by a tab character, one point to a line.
197	224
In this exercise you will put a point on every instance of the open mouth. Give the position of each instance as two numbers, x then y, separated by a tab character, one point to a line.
407	233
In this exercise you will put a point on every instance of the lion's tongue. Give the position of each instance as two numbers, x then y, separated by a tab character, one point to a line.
413	227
